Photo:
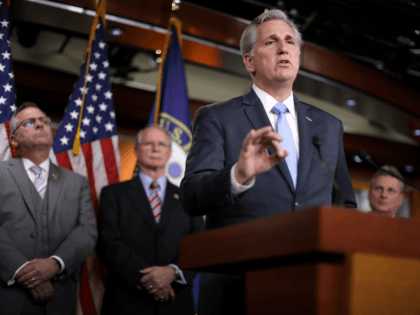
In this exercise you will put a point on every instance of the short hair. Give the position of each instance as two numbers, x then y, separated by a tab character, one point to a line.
249	36
12	125
139	134
391	169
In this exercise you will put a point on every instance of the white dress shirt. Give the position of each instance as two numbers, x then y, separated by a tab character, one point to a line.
268	103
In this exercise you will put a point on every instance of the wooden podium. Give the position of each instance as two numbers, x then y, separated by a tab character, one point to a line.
321	260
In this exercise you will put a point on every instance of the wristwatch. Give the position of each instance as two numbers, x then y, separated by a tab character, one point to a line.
177	275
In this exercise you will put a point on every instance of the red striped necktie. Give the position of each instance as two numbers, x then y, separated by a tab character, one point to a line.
155	202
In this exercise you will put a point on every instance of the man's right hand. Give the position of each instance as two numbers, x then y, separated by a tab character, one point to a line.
254	158
165	294
37	272
43	292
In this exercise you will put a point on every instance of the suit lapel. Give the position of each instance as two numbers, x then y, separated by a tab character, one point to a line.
258	118
139	197
171	196
306	127
55	182
18	172
255	110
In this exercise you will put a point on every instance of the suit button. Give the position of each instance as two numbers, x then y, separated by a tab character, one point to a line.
44	212
32	235
44	228
297	206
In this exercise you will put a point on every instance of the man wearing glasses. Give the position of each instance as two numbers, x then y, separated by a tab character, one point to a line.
140	224
47	223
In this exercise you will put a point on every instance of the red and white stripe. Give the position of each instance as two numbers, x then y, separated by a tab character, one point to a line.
6	152
100	162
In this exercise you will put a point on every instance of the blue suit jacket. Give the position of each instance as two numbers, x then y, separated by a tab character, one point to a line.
218	132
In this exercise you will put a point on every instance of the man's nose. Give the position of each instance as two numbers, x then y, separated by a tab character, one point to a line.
281	48
38	123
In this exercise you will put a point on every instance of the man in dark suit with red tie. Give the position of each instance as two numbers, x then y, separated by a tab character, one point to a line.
252	156
141	223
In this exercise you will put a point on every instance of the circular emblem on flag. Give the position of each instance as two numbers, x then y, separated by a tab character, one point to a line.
174	170
175	167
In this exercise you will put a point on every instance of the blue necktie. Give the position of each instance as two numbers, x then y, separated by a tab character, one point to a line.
288	143
39	182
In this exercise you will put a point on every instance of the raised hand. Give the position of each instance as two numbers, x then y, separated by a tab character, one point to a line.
254	157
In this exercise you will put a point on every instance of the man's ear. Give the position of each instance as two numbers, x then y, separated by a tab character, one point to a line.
12	140
401	198
249	62
136	152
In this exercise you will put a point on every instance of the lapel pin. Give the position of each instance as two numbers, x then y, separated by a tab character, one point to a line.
176	196
55	176
308	119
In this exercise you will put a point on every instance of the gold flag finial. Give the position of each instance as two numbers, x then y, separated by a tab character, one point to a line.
175	6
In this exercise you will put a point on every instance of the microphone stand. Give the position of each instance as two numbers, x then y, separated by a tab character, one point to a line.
317	143
364	156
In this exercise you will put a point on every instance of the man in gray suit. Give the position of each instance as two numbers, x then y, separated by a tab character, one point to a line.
47	223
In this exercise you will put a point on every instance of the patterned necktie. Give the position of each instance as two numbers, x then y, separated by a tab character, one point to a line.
40	183
288	143
155	201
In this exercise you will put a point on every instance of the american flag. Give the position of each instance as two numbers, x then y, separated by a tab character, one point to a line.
91	106
7	85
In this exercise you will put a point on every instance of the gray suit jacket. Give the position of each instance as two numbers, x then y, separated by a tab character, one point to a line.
72	232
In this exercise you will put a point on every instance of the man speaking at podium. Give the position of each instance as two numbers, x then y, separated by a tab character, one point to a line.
252	156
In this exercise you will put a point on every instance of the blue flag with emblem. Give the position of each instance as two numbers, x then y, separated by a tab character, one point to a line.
172	104
171	110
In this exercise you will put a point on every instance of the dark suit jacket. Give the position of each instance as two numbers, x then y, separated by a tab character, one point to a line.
130	240
218	132
71	229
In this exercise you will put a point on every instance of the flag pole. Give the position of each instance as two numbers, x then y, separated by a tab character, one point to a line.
178	25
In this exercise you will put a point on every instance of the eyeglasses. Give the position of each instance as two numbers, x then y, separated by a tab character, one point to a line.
31	121
161	145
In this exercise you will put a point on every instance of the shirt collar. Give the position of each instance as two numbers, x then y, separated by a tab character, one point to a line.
146	180
45	166
268	101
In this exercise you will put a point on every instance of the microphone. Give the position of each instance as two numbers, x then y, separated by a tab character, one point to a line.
317	144
365	157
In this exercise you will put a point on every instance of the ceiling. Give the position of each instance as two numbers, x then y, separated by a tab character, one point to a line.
383	34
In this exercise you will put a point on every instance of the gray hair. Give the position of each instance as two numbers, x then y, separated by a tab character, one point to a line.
139	134
249	36
393	170
12	124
